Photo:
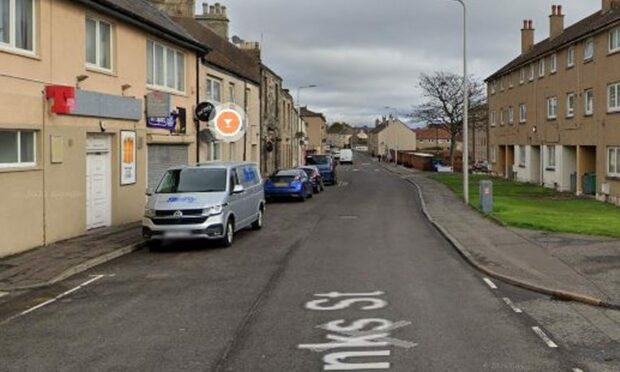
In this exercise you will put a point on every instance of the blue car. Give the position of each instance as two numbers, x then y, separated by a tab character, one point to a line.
327	167
290	183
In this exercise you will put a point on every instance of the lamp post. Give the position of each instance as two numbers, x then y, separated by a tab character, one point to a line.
299	89
465	108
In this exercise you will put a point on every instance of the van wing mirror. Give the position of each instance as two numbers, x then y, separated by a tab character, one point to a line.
238	189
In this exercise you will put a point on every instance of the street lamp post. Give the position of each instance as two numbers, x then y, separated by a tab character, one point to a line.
465	108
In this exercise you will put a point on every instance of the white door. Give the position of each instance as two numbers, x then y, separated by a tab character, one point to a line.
98	183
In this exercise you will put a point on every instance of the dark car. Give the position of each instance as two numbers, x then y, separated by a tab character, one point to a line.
326	165
315	177
291	183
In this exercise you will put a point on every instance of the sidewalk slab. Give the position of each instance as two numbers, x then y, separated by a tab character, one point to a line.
47	265
586	270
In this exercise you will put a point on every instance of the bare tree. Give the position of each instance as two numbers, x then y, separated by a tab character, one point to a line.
444	103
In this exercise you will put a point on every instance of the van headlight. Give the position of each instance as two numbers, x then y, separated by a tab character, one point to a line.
214	211
149	213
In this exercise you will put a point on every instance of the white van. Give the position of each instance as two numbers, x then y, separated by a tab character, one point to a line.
346	156
211	201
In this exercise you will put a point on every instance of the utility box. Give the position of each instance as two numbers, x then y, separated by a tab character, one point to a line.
486	196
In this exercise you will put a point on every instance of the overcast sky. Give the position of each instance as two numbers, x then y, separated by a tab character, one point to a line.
365	55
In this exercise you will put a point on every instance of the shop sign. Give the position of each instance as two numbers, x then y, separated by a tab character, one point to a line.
229	123
168	123
158	105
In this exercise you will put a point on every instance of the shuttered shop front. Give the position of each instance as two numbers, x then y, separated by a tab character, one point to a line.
162	157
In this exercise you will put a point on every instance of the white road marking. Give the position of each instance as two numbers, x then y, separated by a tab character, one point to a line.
544	337
2	294
577	370
490	283
356	170
512	305
60	296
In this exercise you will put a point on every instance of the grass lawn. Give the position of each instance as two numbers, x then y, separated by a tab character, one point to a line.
534	207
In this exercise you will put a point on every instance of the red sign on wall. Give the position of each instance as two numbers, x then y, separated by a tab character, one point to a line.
63	96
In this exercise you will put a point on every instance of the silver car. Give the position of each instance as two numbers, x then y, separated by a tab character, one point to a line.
211	201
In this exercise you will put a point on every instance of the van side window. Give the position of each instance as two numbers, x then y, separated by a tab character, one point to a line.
234	180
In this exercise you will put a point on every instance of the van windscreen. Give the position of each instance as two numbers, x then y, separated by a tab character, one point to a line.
179	181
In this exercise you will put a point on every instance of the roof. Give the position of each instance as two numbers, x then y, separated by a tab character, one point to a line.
431	133
382	126
305	113
577	31
223	54
146	16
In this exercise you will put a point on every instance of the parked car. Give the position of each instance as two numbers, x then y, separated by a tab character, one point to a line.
211	201
336	154
327	167
346	156
315	177
293	183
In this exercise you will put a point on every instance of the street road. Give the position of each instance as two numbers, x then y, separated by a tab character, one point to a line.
354	279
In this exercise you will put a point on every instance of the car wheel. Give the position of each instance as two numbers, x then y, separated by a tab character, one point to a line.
154	245
229	234
258	224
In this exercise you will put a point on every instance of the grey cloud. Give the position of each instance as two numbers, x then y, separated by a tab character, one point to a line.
365	55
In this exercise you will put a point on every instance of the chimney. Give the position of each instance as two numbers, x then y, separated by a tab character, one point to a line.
175	8
609	5
215	18
251	47
556	21
527	36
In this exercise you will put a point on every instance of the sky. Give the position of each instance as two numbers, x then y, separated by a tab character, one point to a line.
366	56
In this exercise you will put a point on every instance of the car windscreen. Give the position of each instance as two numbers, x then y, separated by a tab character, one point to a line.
317	160
308	171
180	181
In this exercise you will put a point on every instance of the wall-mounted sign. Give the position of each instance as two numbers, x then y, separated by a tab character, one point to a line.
158	105
228	125
168	123
128	157
205	111
71	101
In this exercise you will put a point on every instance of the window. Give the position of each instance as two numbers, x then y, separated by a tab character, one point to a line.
541	68
502	117
570	57
551	157
532	72
493	86
501	84
232	151
493	154
165	67
522	113
231	93
215	151
589	102
522	160
98	44
510	83
17	24
17	148
613	159
588	49
214	90
613	102
552	108
570	105
522	75
511	115
493	114
614	40
553	63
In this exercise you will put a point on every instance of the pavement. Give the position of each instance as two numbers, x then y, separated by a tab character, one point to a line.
571	267
44	266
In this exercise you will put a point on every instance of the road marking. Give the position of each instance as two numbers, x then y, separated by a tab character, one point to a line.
490	283
577	370
93	279
365	164
2	294
356	170
512	305
544	337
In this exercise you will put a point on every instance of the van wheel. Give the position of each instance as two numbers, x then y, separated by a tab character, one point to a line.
229	234
154	245
258	224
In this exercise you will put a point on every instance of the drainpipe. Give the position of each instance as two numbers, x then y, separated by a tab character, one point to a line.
245	109
196	120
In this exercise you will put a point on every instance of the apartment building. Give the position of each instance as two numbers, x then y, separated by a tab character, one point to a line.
554	110
229	74
391	135
316	129
88	91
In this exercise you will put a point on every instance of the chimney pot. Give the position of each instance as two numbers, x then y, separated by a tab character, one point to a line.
556	22
205	8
